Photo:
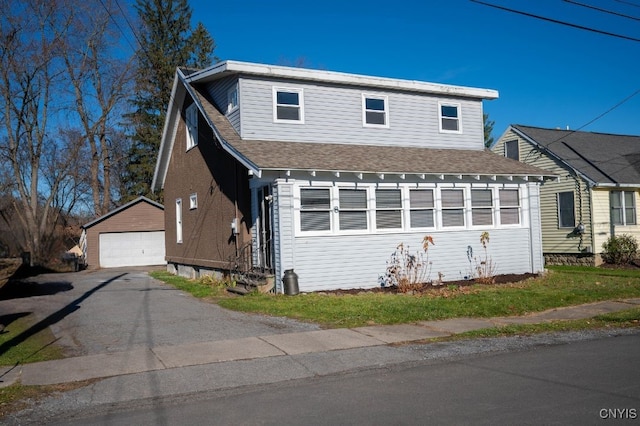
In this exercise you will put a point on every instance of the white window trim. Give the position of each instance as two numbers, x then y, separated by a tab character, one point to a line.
384	98
450	104
300	93
191	126
499	207
193	201
230	107
179	220
408	209
623	208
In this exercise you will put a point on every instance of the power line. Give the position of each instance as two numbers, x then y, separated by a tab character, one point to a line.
556	21
611	12
628	2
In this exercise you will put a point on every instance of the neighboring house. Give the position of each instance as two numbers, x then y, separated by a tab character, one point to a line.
595	196
131	235
277	168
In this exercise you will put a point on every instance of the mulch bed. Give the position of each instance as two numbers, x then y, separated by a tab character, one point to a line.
426	288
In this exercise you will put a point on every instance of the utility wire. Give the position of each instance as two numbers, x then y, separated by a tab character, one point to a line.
628	2
556	21
611	12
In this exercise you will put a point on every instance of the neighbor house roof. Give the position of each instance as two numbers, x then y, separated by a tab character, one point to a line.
121	208
602	158
262	155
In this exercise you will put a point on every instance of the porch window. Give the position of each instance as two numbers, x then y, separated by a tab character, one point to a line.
481	207
375	111
623	208
353	209
191	119
315	209
509	206
566	210
450	118
388	208
421	208
452	207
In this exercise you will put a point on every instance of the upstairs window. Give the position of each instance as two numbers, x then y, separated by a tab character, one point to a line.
452	207
481	207
288	105
388	208
566	210
511	150
315	209
232	98
509	206
375	111
191	119
450	118
353	209
623	208
421	208
193	201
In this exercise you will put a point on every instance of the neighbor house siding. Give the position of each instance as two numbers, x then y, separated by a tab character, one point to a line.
413	118
140	217
602	218
222	189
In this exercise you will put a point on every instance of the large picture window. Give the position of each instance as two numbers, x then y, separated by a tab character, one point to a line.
566	210
623	207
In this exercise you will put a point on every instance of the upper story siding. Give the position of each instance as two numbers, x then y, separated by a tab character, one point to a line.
334	114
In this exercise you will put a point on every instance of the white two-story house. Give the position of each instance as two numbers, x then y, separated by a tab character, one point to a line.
326	173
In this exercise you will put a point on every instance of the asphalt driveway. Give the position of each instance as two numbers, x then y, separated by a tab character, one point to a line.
115	310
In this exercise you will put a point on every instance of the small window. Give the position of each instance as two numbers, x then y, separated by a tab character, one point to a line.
481	207
511	150
288	105
509	206
388	208
421	208
179	220
191	119
623	208
452	207
450	118
232	98
315	209
566	210
375	111
193	201
353	209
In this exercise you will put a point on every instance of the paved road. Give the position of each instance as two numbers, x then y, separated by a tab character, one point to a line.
584	382
115	310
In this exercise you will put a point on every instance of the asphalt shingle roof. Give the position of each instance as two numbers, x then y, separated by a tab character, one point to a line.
601	157
280	155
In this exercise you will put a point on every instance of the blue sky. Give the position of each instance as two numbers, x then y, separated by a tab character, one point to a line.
548	75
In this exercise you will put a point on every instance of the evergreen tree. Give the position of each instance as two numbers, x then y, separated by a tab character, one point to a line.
488	130
167	41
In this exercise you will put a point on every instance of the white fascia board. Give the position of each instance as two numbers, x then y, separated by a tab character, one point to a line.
341	78
617	185
166	143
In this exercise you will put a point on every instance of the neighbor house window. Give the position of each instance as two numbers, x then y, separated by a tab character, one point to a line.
288	105
388	208
421	208
191	118
623	208
566	210
511	150
450	118
179	220
315	209
452	201
232	98
481	207
353	209
375	111
509	206
193	201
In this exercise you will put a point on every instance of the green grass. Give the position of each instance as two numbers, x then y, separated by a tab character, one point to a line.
202	289
561	287
39	347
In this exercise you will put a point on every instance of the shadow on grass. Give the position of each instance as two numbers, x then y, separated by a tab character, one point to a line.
55	317
5	320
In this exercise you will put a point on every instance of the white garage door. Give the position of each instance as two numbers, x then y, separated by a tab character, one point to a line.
132	249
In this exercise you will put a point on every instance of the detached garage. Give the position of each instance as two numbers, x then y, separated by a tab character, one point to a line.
131	235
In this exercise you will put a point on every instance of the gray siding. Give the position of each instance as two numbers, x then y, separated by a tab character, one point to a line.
334	115
218	93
